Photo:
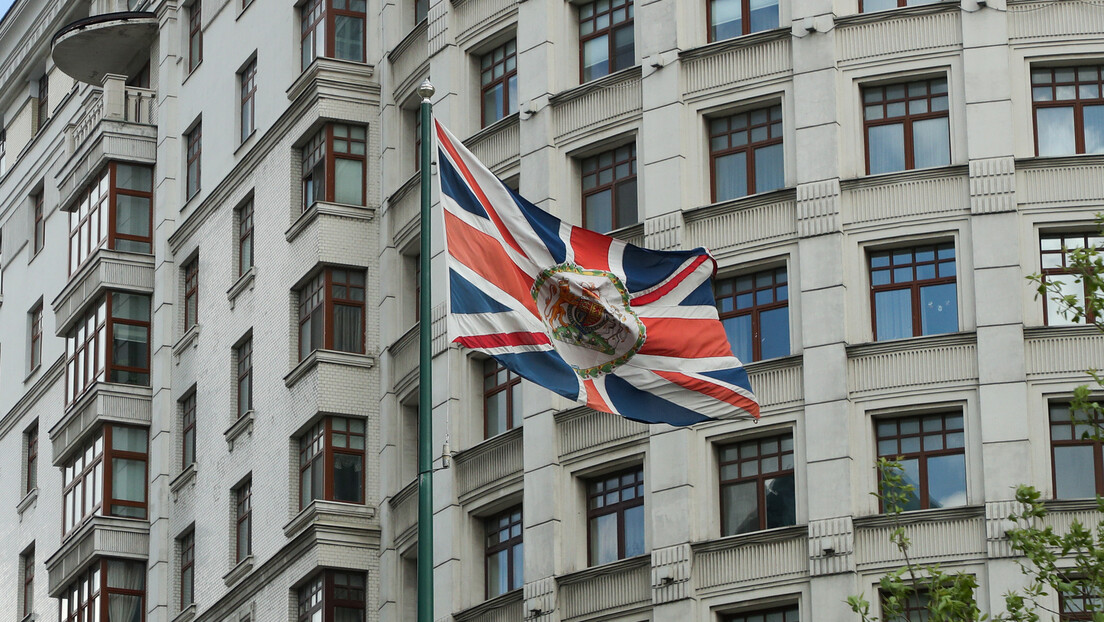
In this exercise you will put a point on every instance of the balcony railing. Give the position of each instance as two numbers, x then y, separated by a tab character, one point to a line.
115	102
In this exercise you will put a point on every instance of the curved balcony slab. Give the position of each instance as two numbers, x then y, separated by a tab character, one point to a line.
90	48
102	536
105	401
106	270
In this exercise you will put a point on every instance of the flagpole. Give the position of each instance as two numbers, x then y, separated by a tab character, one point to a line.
425	375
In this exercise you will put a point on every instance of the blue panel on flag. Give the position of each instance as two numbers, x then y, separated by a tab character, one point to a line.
544	224
645	268
467	298
736	376
453	185
703	295
647	407
544	368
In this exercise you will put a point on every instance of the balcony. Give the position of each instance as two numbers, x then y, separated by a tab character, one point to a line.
103	536
103	402
90	49
106	270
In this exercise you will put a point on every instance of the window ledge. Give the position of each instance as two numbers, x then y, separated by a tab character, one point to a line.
761	536
911	174
27	501
244	425
868	17
327	356
240	570
502	600
187	615
321	510
180	481
1062	330
189	339
244	281
922	342
615	567
742	41
623	75
320	208
961	512
34	370
1062	161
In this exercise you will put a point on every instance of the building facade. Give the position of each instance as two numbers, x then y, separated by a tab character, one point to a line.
208	330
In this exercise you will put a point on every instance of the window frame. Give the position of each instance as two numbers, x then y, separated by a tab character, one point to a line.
39	222
749	148
27	567
1077	103
1063	254
195	35
191	293
915	285
745	20
98	328
43	101
187	568
188	429
493	524
922	456
321	593
509	106
607	31
756	309
908	119
613	185
193	138
36	337
245	237
745	616
317	292
31	443
243	520
247	79
318	449
1075	440
491	369
89	593
760	475
89	216
96	461
243	355
312	14
320	157
619	508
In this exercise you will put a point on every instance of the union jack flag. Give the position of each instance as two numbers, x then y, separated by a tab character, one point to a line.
623	329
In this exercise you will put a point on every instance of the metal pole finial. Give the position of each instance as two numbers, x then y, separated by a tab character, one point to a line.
426	90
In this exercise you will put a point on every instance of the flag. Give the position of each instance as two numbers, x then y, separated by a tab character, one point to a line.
623	329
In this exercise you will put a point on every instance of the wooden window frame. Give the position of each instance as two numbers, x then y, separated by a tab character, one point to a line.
487	66
914	285
761	614
745	20
43	101
28	568
1077	103
907	119
909	611
754	311
614	184
421	11
92	223
923	455
317	450
88	595
85	349
760	475
1075	440
244	355
243	516
315	12
191	293
248	83
1063	255
491	369
194	140
1064	610
195	35
317	294
39	222
608	31
245	236
329	590
771	124
31	479
36	337
594	490
188	427
494	525
187	567
320	157
95	464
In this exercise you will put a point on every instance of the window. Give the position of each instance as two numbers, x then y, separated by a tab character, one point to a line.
111	589
115	210
36	337
1069	110
331	312
43	100
1054	251
914	608
192	139
504	553
244	356
605	38
333	596
3	151
913	291
187	429
745	152
243	513
334	165
1078	464
39	223
609	189
191	293
31	436
417	139
333	29
195	35
28	568
867	6
112	343
930	449
754	309
907	126
187	568
331	461
498	82
245	238
248	78
501	399
757	485
113	484
732	18
421	10
1078	605
779	614
615	515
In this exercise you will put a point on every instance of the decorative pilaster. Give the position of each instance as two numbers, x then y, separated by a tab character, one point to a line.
993	185
440	329
438	26
831	546
664	232
670	574
818	208
996	527
540	600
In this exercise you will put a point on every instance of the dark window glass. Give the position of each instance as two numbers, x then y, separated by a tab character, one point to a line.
331	461
335	165
501	399
111	342
778	614
191	293
1078	605
745	151
36	337
907	126
331	312
116	210
43	101
187	423
421	10
192	139
913	609
111	590
248	78
913	291
605	38
187	569
32	458
122	451
195	35
245	377
1069	110
1077	455
39	223
754	310
1054	249
498	82
757	485
245	238
609	189
28	582
243	496
332	596
615	516
332	29
504	552
732	18
931	451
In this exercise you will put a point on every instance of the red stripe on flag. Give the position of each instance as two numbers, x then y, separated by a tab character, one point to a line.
502	340
485	255
684	338
591	249
715	391
502	230
594	398
672	283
